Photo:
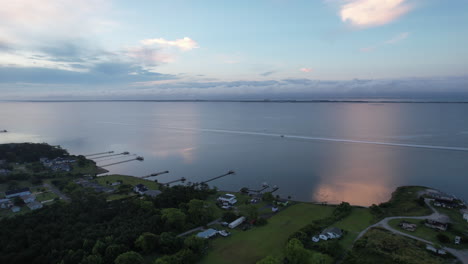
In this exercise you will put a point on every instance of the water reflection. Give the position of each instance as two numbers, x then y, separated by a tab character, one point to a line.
361	174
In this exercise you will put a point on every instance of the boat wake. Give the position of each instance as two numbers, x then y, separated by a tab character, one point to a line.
285	136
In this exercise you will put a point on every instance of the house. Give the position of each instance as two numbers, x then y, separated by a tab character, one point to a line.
440	224
315	239
28	198
332	232
465	216
15	209
5	203
152	193
115	183
457	240
34	205
323	237
4	172
140	188
408	226
18	192
208	233
228	198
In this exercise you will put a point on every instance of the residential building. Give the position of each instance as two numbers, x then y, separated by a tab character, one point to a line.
5	203
152	193
140	188
437	224
18	192
34	205
15	209
28	198
228	198
332	232
207	233
408	226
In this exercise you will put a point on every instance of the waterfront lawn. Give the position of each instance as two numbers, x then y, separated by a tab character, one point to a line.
45	196
358	220
381	246
103	180
405	202
427	233
246	247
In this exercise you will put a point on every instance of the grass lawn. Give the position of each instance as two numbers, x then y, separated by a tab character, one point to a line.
126	180
358	220
246	247
114	197
45	196
89	168
404	202
427	233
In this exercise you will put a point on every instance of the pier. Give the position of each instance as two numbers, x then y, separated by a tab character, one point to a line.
112	155
183	179
115	163
224	175
155	174
102	153
3	131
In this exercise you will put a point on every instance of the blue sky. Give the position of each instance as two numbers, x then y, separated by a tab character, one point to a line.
233	49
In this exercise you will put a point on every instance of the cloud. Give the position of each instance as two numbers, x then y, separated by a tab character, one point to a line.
184	44
268	73
398	38
306	69
371	13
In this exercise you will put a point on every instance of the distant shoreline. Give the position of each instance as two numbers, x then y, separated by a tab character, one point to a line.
379	101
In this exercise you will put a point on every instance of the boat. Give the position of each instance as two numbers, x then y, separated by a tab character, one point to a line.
140	158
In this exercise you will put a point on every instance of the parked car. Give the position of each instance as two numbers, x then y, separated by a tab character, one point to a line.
224	233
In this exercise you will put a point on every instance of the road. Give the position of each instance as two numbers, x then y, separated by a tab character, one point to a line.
57	192
462	255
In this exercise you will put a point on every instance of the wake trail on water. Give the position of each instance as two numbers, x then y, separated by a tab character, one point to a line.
285	136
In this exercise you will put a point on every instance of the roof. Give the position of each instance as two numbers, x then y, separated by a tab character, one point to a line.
4	200
140	186
207	233
227	196
34	205
27	196
17	191
334	230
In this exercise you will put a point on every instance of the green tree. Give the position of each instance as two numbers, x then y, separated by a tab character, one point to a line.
269	260
200	212
250	211
268	197
92	259
295	252
130	257
174	217
196	244
112	252
147	242
99	248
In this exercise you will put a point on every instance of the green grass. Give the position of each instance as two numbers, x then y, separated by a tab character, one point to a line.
246	247
9	213
126	180
114	197
45	196
358	220
89	168
404	202
381	246
427	233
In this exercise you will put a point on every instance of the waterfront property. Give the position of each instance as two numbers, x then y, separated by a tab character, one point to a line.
408	226
34	205
440	224
140	188
228	198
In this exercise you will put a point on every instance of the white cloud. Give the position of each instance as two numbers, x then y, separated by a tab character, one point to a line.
370	13
184	44
306	69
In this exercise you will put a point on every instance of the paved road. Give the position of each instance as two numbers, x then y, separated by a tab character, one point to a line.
462	255
57	192
200	228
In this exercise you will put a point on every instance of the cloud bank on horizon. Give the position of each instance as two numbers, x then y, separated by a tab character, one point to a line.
268	49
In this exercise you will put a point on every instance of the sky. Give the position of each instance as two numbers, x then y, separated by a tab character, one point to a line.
211	49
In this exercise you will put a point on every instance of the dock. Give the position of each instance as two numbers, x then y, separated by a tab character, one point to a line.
3	131
101	153
183	179
217	177
115	163
111	155
155	174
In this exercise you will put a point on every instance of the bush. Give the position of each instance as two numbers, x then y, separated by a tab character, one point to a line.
443	238
229	216
261	221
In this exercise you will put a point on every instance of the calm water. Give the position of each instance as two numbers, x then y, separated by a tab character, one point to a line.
316	160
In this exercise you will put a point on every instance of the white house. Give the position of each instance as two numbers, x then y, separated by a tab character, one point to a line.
207	233
323	237
465	216
315	239
228	198
5	203
140	188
